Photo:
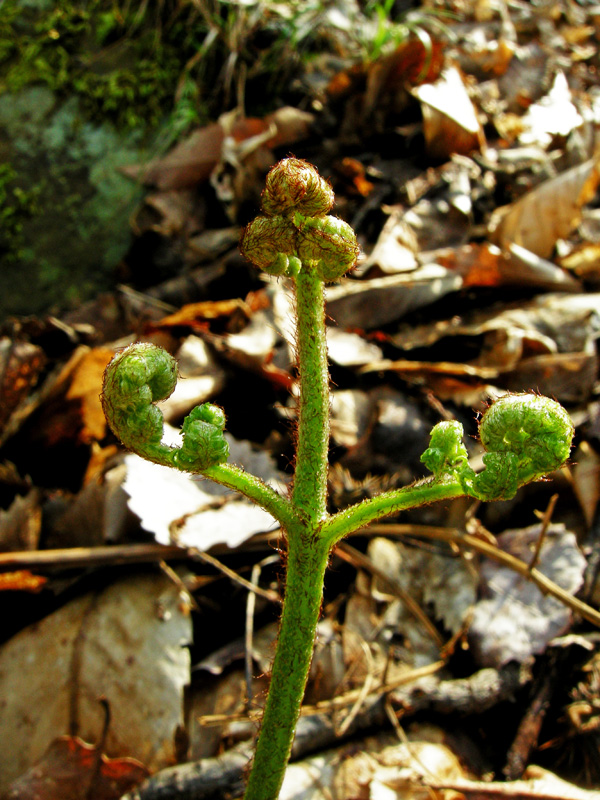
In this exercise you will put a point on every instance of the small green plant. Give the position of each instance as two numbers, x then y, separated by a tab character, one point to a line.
526	437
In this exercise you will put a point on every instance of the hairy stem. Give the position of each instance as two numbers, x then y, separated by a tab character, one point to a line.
310	480
254	489
383	505
306	563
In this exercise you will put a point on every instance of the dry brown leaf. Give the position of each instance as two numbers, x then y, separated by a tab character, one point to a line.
73	770
514	620
450	122
188	164
86	385
548	213
21	580
537	784
127	643
21	523
586	480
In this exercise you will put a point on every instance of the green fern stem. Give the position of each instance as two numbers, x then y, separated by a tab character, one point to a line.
358	516
306	563
309	495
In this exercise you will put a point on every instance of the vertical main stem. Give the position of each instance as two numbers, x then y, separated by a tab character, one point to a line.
306	564
307	552
309	494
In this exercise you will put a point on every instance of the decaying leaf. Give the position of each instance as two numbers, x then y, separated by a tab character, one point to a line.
372	303
450	121
378	768
549	212
21	580
194	512
514	620
126	643
73	770
536	783
21	523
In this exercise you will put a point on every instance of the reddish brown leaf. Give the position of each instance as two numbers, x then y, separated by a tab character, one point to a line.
21	580
74	770
20	366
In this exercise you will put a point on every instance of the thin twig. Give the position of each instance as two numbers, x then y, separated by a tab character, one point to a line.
335	703
356	558
546	519
272	597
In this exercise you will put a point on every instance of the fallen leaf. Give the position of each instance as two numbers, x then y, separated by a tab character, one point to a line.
71	769
86	383
195	512
450	121
21	580
369	304
553	115
514	620
21	523
20	366
548	213
126	642
189	163
537	783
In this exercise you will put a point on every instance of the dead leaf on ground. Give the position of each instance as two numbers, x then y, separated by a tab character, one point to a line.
450	122
127	643
73	770
195	512
514	620
548	213
21	523
536	783
369	304
378	767
21	581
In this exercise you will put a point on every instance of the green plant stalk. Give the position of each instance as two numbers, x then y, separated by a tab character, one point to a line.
254	489
306	563
309	495
307	552
358	516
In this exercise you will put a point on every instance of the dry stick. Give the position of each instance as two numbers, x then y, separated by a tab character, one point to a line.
74	557
545	523
272	597
356	558
480	790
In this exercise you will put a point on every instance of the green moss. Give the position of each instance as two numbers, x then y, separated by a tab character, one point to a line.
16	205
122	68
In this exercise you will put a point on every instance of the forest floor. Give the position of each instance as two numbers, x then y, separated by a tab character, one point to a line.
458	655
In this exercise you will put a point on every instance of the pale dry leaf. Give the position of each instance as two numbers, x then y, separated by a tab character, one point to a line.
350	349
547	213
195	512
553	115
536	783
189	163
514	620
370	304
586	480
126	642
21	523
378	768
450	122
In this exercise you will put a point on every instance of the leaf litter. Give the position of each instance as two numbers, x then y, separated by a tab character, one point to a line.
465	156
